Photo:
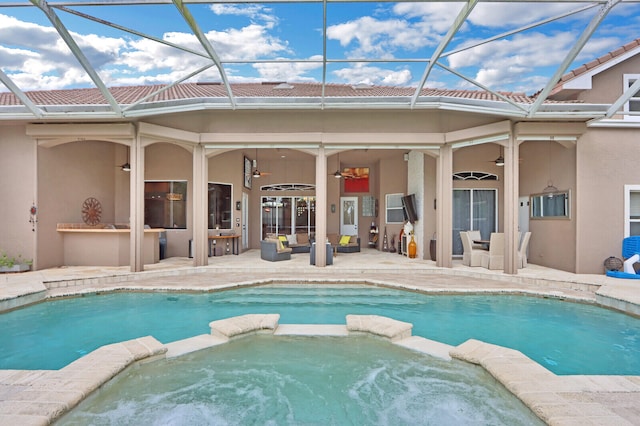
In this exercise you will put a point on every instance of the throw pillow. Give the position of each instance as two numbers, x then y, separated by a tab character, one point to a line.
292	239
303	239
344	240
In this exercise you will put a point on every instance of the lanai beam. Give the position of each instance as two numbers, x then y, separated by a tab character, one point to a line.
571	56
457	23
75	49
204	41
35	110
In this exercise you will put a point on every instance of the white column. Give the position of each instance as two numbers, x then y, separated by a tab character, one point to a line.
511	191
444	207
200	207
136	205
415	185
321	208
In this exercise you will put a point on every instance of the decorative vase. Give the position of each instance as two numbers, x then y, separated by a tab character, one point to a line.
413	248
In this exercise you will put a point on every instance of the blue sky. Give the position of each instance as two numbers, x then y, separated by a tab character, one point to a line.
387	43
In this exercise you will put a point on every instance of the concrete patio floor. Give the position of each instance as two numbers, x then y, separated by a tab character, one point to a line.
589	400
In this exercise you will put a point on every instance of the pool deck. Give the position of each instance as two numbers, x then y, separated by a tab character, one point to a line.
558	400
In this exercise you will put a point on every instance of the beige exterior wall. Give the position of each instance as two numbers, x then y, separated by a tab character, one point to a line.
609	85
607	160
18	164
393	170
553	241
68	174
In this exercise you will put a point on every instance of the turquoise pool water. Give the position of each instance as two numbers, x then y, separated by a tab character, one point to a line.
566	338
303	381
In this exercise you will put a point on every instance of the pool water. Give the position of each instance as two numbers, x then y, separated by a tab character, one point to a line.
566	338
304	381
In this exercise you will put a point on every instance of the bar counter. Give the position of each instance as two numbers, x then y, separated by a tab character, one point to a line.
105	244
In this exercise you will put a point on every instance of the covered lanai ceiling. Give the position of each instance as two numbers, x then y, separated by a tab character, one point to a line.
131	58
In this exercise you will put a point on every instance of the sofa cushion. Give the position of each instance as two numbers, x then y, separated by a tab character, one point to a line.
333	239
302	238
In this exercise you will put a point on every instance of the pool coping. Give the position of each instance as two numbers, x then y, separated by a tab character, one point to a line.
40	397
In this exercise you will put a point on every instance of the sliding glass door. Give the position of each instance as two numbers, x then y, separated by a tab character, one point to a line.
288	215
474	209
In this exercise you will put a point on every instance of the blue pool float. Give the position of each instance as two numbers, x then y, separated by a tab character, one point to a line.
630	246
620	274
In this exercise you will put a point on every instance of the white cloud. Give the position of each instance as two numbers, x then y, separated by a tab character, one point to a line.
361	73
381	38
253	11
506	62
290	72
514	15
35	57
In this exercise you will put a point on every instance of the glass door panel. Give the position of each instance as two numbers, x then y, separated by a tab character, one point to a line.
461	217
473	209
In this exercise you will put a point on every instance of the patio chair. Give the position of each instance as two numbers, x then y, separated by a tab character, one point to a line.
476	236
522	251
470	256
495	258
273	250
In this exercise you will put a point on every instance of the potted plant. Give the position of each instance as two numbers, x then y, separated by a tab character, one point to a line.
14	264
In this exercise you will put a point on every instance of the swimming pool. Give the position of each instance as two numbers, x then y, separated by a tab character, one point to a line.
304	381
566	338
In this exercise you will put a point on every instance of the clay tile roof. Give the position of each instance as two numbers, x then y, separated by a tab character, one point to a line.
126	95
596	63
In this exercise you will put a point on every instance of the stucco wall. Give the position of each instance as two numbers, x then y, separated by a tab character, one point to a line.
18	192
607	160
68	174
164	161
553	241
394	170
608	86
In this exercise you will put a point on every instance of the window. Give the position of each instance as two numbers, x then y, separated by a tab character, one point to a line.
165	204
633	106
219	195
394	209
474	176
554	205
631	210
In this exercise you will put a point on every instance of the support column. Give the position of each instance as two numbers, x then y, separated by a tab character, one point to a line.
511	193
200	207
415	185
444	207
321	207
136	205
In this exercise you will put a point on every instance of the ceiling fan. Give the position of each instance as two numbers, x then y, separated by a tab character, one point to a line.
257	173
500	160
338	174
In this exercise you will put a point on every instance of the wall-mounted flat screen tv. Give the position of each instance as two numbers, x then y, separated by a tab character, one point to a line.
409	207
